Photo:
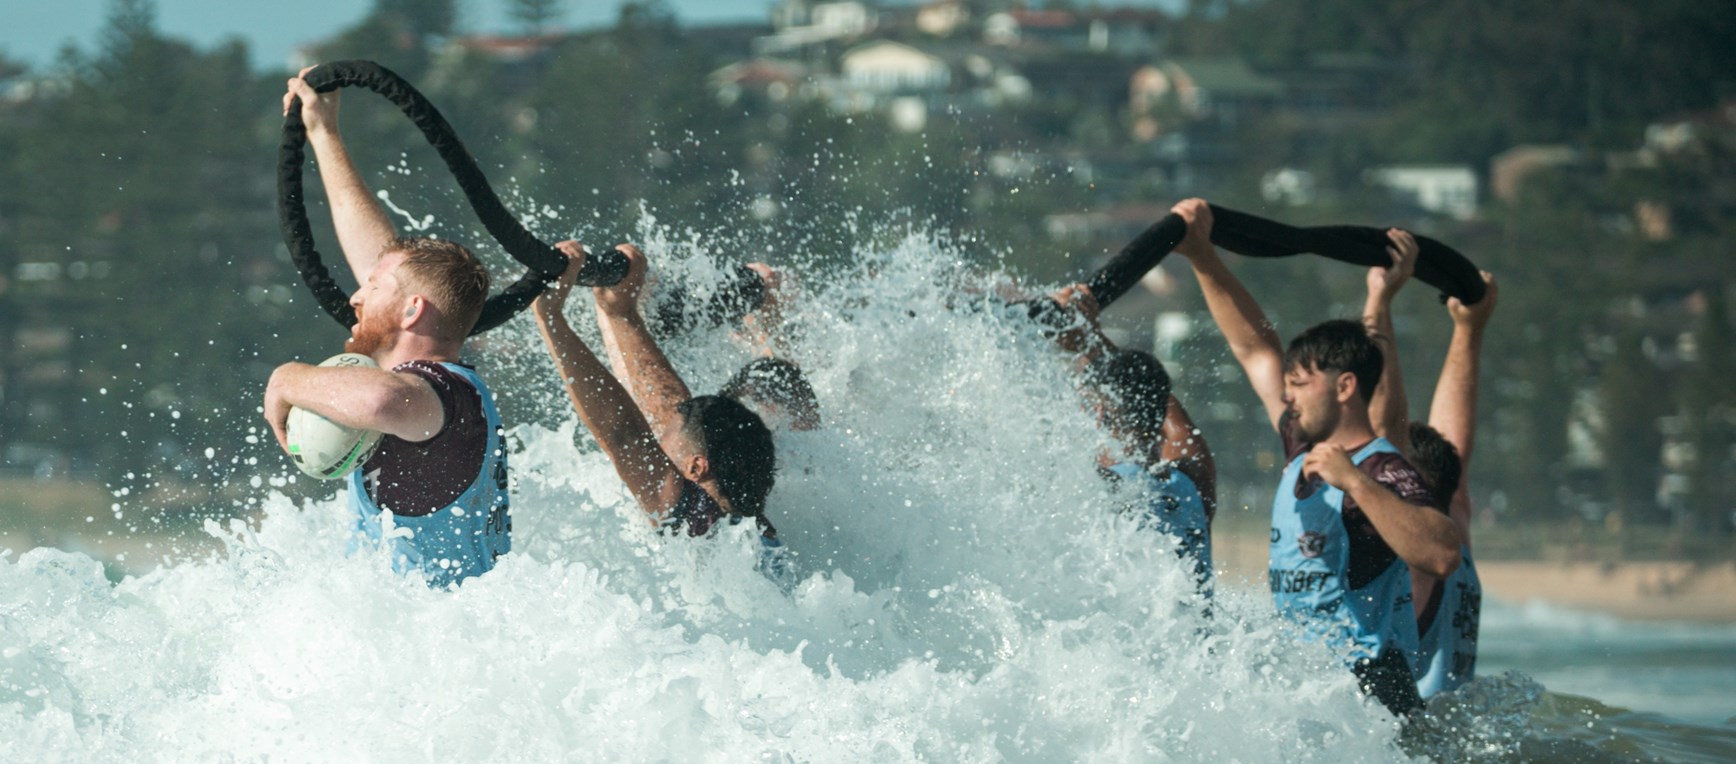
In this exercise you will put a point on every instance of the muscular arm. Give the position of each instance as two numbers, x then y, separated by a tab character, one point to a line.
1454	409
641	365
363	229
1388	407
1425	539
398	404
1186	448
1251	337
607	411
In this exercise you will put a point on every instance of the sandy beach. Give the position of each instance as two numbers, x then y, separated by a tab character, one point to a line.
1644	591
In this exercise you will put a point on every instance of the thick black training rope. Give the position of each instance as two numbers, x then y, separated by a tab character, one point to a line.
543	262
1438	265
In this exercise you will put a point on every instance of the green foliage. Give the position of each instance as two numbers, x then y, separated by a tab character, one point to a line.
1708	405
534	16
155	162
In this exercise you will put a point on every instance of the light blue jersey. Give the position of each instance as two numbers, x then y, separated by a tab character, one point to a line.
457	541
775	564
1172	504
1310	566
1446	654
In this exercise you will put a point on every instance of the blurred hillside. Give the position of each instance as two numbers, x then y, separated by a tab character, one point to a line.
1584	151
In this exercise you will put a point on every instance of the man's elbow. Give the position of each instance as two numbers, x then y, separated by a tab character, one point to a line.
395	410
1441	562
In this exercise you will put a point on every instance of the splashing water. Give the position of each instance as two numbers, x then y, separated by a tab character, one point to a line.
966	594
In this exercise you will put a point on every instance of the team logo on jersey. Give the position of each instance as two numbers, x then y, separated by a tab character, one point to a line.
1311	544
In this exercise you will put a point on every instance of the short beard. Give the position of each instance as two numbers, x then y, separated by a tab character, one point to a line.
367	340
1320	433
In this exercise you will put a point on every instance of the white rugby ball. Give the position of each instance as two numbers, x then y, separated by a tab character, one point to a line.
323	448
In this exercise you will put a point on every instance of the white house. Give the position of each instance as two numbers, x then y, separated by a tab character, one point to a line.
1444	189
884	66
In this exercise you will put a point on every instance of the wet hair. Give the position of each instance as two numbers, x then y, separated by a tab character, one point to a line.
1437	461
1335	347
779	383
1134	385
451	277
738	445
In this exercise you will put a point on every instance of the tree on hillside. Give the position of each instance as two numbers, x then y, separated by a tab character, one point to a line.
1709	415
534	16
1631	406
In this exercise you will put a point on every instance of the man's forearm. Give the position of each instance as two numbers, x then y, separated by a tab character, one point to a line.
1454	409
1388	407
363	229
608	412
1251	337
1425	539
650	379
362	398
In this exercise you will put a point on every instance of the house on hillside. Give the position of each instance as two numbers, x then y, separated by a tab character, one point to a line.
758	80
1118	31
1061	29
1449	190
1510	169
943	18
888	67
800	24
1219	91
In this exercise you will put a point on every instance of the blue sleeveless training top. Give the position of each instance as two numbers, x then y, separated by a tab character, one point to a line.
461	539
1447	650
1172	505
1310	562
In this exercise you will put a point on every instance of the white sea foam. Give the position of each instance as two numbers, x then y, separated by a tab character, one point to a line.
967	594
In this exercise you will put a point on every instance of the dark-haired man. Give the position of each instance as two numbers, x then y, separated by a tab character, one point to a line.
1448	610
1161	463
1349	518
440	470
778	391
690	462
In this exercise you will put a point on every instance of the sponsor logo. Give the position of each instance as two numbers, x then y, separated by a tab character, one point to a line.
1311	544
1298	581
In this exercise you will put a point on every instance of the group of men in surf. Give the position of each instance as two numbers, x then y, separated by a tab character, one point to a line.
1370	544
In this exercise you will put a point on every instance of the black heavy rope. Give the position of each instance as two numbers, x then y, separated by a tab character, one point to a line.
1438	265
543	262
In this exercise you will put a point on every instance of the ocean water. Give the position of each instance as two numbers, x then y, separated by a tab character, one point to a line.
966	594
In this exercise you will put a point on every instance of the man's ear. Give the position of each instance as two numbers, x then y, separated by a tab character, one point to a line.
698	468
1346	387
414	308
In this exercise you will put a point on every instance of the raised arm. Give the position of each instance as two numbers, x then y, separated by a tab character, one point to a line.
1454	409
640	364
1083	335
603	405
765	325
1251	337
363	229
1184	446
1388	408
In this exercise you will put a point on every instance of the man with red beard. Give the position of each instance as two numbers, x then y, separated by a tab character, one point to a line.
440	469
